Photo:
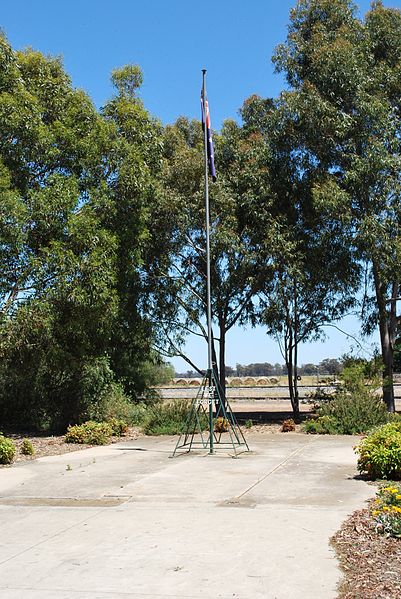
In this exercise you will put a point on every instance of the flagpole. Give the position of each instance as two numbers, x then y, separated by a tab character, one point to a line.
208	286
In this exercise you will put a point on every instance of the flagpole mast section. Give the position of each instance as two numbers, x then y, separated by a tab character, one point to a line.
208	285
207	211
228	434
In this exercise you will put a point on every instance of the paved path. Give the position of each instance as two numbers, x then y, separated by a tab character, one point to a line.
125	521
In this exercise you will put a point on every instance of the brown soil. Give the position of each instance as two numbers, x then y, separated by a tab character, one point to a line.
55	445
371	562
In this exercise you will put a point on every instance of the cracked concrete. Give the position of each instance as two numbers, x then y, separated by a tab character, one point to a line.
126	521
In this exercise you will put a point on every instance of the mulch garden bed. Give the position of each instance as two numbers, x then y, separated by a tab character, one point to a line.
55	445
371	562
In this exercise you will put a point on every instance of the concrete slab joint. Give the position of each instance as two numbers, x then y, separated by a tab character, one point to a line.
136	524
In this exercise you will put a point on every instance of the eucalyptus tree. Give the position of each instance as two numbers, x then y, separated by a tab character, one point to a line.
312	275
73	218
133	172
180	217
345	81
56	275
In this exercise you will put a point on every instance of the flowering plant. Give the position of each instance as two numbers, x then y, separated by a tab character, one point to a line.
386	510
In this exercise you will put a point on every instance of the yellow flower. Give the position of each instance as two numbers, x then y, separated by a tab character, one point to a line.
375	513
398	496
386	509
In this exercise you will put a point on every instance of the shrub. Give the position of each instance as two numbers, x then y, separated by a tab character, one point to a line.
110	403
113	404
386	510
324	425
380	452
7	450
119	427
93	433
355	409
288	426
27	447
169	418
138	413
248	423
348	416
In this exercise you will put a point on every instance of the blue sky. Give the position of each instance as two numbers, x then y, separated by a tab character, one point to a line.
172	42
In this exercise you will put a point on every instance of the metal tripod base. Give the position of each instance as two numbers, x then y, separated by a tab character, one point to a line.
211	424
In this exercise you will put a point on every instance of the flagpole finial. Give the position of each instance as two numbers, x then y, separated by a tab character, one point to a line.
204	71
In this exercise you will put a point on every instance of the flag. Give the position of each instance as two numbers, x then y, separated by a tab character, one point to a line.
209	141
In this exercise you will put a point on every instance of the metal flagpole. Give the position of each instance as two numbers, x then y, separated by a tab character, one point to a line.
208	287
192	436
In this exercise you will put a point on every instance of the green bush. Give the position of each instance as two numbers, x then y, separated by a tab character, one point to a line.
7	450
139	413
27	447
92	433
119	427
324	425
111	403
169	418
380	452
356	408
348	415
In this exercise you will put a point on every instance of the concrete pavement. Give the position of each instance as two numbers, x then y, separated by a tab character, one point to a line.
125	521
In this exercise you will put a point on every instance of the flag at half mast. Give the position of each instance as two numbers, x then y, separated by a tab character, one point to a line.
210	151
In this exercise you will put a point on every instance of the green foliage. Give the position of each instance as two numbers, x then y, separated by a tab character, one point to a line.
127	79
27	447
343	111
356	407
158	373
178	219
324	425
76	186
111	402
118	427
168	418
138	413
93	433
386	510
380	452
349	415
248	423
7	450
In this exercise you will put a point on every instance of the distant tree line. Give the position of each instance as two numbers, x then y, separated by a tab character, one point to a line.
331	366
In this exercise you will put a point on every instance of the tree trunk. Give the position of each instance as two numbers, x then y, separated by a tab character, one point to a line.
387	328
295	404
215	366
291	376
